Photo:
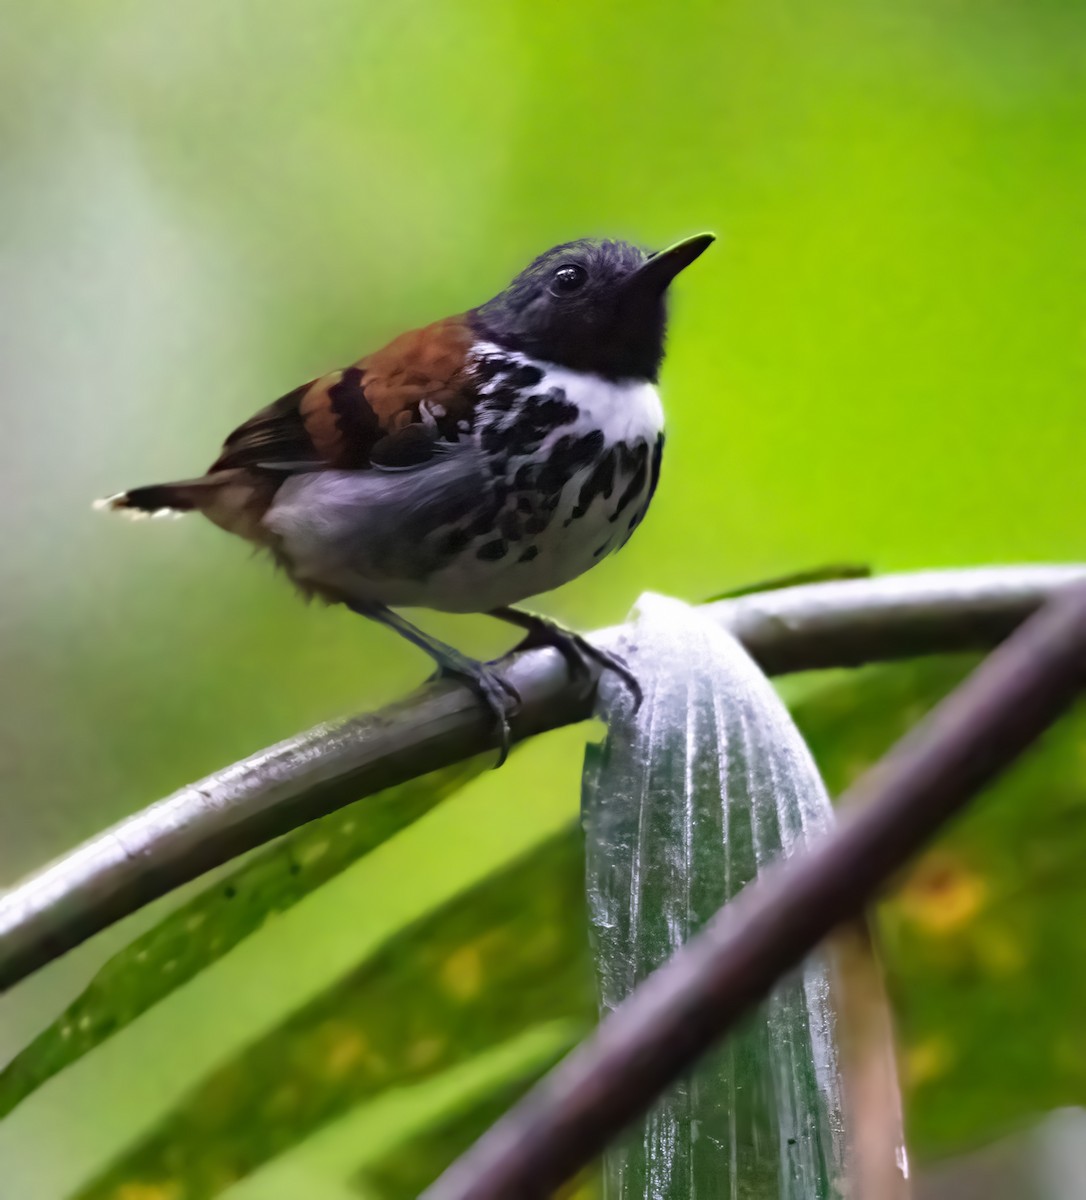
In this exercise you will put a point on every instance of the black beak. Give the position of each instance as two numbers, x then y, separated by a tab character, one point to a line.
656	274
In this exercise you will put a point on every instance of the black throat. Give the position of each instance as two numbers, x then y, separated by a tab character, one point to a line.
617	353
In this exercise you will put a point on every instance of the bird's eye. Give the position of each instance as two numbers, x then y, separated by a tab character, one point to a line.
568	279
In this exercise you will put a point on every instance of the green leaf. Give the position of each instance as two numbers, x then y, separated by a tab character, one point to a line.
405	1171
830	571
412	1166
982	939
408	1130
200	932
498	959
686	802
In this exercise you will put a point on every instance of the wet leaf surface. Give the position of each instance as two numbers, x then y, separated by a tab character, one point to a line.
687	801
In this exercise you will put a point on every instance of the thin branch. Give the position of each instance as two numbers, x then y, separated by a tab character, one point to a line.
201	826
686	1005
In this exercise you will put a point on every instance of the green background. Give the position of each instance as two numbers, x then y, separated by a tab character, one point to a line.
202	205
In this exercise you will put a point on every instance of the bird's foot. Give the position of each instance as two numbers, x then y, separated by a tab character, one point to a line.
579	654
496	692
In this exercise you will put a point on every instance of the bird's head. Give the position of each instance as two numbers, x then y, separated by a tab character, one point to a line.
591	305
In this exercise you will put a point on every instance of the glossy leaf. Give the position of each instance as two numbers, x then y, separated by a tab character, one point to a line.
494	961
200	932
686	802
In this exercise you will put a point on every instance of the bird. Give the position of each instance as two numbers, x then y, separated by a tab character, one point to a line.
467	465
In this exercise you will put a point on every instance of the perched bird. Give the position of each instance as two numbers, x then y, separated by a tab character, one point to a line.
468	464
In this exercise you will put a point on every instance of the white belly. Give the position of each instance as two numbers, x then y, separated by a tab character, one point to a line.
458	534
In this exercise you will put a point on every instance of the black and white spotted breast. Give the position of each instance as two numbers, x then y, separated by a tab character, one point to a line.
564	448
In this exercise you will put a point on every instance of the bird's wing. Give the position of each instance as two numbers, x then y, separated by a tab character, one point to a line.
399	407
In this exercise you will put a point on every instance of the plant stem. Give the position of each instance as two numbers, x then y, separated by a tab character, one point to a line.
841	623
691	1001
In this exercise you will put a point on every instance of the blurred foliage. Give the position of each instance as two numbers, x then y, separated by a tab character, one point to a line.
982	937
440	992
979	938
210	925
404	1172
204	205
375	1141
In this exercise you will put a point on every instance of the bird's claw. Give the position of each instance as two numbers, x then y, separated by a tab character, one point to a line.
496	692
579	653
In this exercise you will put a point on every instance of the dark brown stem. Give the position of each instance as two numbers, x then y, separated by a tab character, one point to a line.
203	825
692	1000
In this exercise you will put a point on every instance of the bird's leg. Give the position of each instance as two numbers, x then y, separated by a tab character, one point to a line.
499	696
576	650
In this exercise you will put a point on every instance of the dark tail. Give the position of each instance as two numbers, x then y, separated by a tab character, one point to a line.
180	497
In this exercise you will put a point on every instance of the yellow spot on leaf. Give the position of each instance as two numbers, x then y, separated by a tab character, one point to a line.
941	895
311	853
927	1061
167	1190
462	972
341	1048
345	1053
424	1053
